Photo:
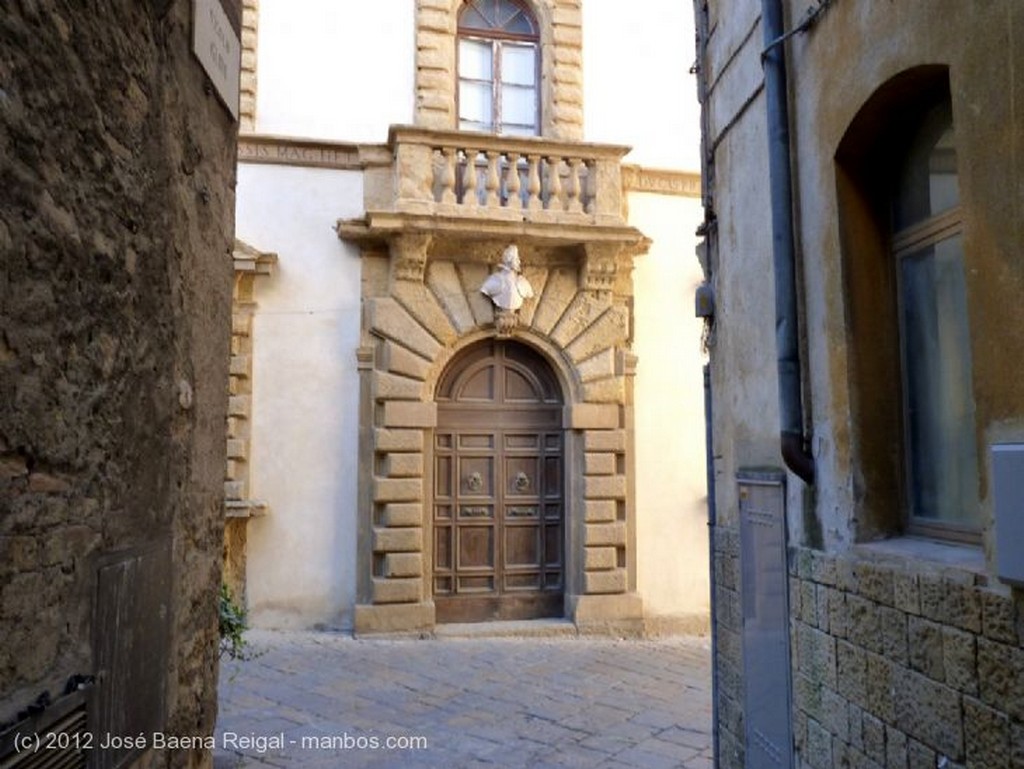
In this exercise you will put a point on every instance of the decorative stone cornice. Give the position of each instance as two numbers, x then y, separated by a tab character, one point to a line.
281	150
661	181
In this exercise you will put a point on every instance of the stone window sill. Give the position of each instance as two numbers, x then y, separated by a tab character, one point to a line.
920	551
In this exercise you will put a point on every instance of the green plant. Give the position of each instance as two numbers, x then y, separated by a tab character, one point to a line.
232	627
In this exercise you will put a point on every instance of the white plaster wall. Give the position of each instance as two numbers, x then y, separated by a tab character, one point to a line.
302	555
340	70
637	86
671	494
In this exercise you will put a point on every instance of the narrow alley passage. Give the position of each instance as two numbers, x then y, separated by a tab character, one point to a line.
328	700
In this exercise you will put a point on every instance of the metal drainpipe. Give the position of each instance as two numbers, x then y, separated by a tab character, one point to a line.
787	339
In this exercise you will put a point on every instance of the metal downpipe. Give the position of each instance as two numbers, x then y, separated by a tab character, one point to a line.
787	339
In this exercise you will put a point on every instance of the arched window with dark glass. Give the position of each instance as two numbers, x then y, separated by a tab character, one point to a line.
935	344
499	68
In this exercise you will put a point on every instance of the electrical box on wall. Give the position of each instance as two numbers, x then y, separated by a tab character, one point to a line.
1008	507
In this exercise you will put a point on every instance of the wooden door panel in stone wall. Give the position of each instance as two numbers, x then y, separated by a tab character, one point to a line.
498	498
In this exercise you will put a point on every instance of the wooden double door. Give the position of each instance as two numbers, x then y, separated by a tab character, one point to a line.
498	496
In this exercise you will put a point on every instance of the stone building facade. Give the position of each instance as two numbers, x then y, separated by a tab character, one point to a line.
903	625
116	226
413	514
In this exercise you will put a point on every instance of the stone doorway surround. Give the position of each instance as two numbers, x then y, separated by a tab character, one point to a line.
426	249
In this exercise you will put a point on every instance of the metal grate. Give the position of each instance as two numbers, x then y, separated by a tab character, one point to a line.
56	738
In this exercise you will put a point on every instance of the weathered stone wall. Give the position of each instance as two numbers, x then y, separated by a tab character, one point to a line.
116	181
899	666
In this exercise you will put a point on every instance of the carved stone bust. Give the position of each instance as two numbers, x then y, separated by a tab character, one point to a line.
507	287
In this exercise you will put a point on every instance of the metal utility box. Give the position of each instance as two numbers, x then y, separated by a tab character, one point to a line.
765	599
1008	510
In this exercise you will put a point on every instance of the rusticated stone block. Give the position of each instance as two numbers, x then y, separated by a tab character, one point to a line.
403	565
874	738
894	634
397	540
823	568
604	487
396	590
605	534
604	440
925	640
930	712
610	330
421	303
389	319
988	735
960	660
388	386
881	673
600	510
997	617
875	582
599	464
398	440
397	489
920	756
409	414
895	749
403	465
600	366
852	672
558	293
838	616
835	713
1001	677
817	654
808	604
819	745
906	595
599	558
612	390
593	416
1016	746
821	607
864	628
443	280
605	581
402	514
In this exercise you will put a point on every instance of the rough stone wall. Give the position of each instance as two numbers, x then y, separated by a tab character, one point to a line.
728	660
896	666
116	177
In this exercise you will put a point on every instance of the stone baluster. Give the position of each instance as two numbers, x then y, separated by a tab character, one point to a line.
533	202
555	192
573	191
492	182
587	187
469	198
449	155
512	182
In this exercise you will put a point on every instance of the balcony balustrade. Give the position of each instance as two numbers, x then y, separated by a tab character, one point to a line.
526	179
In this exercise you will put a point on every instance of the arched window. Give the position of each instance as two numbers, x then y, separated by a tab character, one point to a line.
499	68
935	346
901	225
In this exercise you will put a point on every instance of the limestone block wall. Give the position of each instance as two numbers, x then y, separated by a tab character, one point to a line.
116	184
417	315
561	23
896	665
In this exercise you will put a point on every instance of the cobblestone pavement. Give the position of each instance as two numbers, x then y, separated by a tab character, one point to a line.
325	700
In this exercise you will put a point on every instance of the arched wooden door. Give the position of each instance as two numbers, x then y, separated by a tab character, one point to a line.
498	501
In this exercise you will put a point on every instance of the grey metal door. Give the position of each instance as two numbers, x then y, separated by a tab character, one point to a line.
765	599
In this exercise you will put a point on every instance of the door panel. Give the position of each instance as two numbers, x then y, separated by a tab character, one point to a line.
498	463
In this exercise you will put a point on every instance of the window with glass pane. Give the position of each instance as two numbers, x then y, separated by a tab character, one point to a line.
498	67
938	402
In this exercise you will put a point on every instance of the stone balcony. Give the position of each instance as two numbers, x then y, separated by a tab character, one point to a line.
464	187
